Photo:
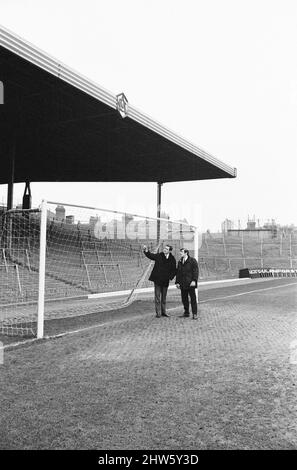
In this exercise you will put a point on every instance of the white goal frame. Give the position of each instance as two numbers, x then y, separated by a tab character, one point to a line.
42	254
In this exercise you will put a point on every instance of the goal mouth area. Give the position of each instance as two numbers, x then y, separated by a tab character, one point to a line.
57	256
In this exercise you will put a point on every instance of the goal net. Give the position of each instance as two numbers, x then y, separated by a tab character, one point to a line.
19	262
76	260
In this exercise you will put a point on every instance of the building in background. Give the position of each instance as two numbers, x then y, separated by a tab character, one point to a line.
227	225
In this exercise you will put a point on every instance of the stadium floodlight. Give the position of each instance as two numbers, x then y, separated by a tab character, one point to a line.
122	104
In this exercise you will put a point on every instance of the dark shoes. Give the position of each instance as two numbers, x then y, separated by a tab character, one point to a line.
187	315
165	314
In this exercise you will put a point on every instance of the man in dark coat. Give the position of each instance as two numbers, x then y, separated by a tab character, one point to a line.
187	281
163	271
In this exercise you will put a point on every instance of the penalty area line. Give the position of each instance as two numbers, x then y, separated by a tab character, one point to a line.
67	333
19	343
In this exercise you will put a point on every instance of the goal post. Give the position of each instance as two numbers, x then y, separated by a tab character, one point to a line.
196	254
19	258
41	280
63	261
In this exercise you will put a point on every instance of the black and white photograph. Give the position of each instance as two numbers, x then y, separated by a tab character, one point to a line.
148	230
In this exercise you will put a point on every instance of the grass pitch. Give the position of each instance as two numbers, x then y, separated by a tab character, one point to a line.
227	381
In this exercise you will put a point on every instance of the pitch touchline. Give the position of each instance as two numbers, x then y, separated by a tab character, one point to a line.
241	293
249	292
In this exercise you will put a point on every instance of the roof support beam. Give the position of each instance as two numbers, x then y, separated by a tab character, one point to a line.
27	199
12	152
159	196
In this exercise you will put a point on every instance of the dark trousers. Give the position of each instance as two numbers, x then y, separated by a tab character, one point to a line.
160	299
185	293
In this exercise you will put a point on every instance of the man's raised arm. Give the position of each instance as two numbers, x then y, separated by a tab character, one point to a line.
148	254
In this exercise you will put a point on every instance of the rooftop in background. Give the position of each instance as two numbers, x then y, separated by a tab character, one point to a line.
63	127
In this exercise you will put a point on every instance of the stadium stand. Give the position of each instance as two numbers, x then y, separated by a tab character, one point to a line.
223	256
76	261
80	263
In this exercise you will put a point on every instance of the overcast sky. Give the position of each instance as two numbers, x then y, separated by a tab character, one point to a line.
223	74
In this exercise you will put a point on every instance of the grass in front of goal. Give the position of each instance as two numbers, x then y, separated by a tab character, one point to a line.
72	316
224	382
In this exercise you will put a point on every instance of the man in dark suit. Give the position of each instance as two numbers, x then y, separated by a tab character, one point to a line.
187	281
163	271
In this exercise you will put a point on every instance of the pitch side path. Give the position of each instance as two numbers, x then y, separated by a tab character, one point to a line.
133	381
